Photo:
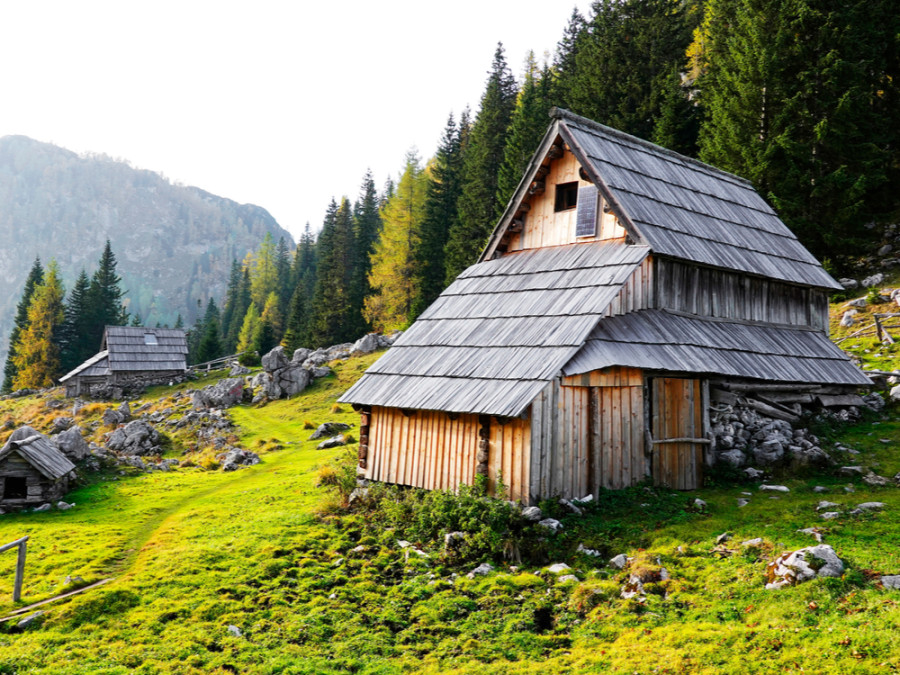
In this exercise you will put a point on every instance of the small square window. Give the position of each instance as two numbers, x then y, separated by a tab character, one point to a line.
150	339
566	196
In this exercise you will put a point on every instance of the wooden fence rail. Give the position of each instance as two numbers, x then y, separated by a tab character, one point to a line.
208	365
20	565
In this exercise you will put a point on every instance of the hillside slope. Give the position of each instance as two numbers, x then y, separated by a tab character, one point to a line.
258	572
174	243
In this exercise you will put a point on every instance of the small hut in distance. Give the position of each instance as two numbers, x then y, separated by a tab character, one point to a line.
131	357
32	470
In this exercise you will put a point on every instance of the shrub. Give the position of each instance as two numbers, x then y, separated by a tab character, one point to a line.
250	360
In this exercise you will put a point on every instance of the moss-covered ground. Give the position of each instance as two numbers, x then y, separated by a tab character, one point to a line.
194	552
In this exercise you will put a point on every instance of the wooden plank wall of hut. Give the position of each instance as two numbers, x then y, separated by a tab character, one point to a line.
677	413
712	292
432	450
637	293
426	449
508	459
544	226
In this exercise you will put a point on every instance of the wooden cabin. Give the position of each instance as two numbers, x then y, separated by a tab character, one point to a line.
33	471
130	357
622	282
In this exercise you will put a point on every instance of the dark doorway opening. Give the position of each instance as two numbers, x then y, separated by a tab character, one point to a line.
15	487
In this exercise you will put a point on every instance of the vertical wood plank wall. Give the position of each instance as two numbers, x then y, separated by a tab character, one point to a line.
587	432
637	293
430	450
709	292
546	227
677	412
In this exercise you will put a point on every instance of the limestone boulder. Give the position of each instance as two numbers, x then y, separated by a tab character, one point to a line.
136	438
72	444
223	394
275	360
365	345
795	567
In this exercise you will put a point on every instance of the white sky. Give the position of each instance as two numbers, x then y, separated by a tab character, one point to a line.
280	104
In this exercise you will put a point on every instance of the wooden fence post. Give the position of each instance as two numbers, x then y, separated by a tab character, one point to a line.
20	570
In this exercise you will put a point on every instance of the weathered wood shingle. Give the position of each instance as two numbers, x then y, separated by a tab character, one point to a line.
38	451
663	341
136	348
500	332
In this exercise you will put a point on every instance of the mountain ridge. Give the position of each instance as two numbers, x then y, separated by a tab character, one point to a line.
174	243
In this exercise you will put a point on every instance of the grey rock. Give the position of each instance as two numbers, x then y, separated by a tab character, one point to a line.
594	553
72	444
884	250
275	360
848	284
481	570
874	401
359	494
333	442
237	458
753	474
741	502
699	504
871	506
793	568
532	513
300	355
320	371
858	303
752	543
125	411
722	538
851	471
847	319
569	505
734	458
328	429
823	505
223	394
112	417
873	280
551	524
566	578
895	393
292	380
875	480
63	506
773	488
619	561
454	539
29	620
365	345
812	531
235	631
237	370
831	515
820	489
137	437
632	588
891	581
61	424
558	568
42	508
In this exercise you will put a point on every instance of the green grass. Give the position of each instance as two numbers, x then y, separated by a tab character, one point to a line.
264	549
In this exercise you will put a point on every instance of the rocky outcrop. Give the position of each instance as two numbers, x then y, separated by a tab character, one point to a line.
795	567
223	394
72	444
135	438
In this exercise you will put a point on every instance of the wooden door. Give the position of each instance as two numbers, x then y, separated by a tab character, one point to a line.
678	434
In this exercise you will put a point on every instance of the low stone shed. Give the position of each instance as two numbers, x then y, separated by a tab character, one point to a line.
622	287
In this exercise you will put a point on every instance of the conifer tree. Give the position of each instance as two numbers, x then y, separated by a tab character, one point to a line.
442	190
36	351
242	304
210	343
564	59
33	280
801	98
232	298
367	227
394	272
284	285
304	266
76	345
248	338
179	322
105	296
263	265
528	125
483	157
296	334
624	60
330	312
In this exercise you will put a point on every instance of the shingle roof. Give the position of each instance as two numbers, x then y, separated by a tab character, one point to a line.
130	348
500	332
97	365
38	451
655	339
681	207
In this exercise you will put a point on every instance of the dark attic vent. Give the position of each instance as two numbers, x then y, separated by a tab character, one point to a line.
586	220
566	196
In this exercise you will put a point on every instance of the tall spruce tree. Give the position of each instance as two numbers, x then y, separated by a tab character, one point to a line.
209	346
232	297
105	306
76	343
37	348
367	227
236	320
296	334
564	59
284	283
394	273
801	97
329	315
33	280
483	158
442	190
529	122
624	59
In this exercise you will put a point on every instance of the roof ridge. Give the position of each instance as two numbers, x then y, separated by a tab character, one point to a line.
558	113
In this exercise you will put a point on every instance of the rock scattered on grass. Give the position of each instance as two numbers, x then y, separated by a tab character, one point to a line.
699	504
328	429
481	570
742	503
619	561
532	513
812	531
773	488
831	515
237	458
551	524
29	620
866	507
333	442
722	538
891	581
235	631
793	568
558	568
63	506
566	578
594	553
874	480
752	543
823	505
